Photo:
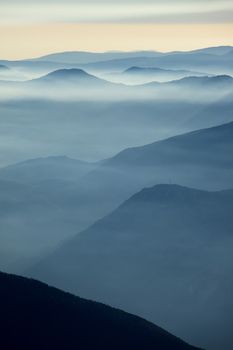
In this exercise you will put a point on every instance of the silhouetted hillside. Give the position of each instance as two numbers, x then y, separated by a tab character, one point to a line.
165	254
201	146
36	316
71	76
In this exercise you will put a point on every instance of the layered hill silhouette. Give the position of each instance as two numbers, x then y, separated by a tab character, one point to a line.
217	81
199	159
74	76
198	144
202	86
109	230
164	254
214	60
140	75
209	60
71	76
79	57
69	84
76	195
45	169
36	316
154	70
77	82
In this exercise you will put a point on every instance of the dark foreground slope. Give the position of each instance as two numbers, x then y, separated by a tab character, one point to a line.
36	316
166	255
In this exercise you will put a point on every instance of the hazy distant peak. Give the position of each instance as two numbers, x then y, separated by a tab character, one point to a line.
222	77
49	160
68	73
192	80
52	158
71	76
204	79
136	69
47	168
83	57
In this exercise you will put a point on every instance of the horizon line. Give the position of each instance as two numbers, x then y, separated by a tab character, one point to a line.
49	53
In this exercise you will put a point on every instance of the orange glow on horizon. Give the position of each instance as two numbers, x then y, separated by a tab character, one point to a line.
26	41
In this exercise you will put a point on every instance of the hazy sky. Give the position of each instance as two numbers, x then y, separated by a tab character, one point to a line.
35	27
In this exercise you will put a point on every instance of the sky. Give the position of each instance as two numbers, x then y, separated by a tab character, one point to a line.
30	28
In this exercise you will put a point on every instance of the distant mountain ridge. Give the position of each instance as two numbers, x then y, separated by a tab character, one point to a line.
137	69
215	50
84	57
200	159
215	60
192	82
140	75
194	61
196	141
39	169
219	79
82	85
